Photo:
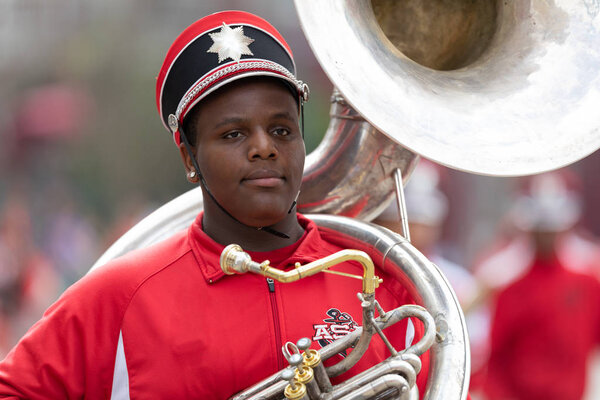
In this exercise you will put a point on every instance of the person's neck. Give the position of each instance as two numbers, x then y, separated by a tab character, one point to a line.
546	255
223	229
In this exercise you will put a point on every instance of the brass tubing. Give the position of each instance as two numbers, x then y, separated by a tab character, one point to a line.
235	260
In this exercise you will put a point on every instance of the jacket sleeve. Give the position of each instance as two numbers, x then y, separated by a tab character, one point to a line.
69	353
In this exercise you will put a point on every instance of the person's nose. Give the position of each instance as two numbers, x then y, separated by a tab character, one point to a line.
262	146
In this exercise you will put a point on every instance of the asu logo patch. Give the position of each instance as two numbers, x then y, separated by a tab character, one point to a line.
338	325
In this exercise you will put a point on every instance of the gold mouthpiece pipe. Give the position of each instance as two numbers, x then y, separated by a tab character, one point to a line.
235	261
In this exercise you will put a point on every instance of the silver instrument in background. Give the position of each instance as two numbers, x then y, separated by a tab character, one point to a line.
502	88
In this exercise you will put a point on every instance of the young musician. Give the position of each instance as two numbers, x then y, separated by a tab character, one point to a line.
165	322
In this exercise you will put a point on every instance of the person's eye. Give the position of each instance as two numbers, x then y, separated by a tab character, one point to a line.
281	132
232	135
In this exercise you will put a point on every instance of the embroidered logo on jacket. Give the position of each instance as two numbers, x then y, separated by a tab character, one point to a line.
338	325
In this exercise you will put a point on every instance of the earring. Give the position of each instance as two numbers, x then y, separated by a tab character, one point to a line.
192	175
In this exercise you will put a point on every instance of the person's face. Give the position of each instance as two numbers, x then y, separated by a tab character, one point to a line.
545	242
250	150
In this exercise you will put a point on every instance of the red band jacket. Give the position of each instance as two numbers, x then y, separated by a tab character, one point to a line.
165	322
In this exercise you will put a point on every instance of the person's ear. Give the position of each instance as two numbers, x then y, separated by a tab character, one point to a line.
191	173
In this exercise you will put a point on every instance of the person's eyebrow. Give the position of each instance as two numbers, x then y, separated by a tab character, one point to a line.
284	115
239	120
227	121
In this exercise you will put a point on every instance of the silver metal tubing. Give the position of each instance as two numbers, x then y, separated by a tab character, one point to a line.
352	156
391	366
363	342
272	390
401	202
389	346
268	388
393	317
322	378
313	390
449	368
172	217
371	389
272	386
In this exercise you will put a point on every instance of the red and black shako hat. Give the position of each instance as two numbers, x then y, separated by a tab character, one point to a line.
217	50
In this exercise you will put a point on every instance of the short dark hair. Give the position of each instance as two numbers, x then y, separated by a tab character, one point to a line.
189	126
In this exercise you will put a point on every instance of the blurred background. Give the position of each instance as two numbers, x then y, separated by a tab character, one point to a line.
84	156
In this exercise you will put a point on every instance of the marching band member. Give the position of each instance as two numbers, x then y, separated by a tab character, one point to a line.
165	322
546	323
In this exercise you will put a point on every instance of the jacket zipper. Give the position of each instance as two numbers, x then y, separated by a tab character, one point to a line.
271	284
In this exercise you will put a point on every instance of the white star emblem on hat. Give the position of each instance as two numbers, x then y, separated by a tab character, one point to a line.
230	43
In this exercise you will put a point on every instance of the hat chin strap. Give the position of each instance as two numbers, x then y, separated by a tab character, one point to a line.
267	229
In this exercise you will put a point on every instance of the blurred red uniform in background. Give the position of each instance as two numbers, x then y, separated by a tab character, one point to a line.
545	322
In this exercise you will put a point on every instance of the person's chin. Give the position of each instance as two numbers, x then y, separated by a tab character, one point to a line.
265	216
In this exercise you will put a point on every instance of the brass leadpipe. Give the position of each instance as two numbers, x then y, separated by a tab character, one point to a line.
235	261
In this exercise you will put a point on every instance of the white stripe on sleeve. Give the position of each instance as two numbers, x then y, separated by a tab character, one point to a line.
120	387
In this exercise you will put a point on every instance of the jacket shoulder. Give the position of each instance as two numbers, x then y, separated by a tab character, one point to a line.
130	270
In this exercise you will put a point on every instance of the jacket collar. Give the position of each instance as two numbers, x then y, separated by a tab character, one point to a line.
546	264
207	252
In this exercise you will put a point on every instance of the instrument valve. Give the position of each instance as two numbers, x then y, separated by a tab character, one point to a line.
294	390
303	374
311	357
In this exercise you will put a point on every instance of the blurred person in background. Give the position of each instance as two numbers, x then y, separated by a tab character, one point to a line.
28	282
545	322
427	209
70	237
556	198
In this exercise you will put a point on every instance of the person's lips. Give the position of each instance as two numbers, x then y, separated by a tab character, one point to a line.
264	178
